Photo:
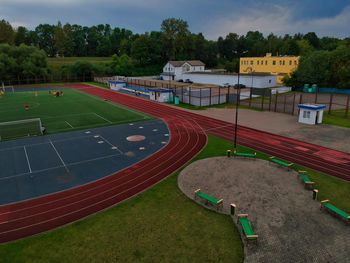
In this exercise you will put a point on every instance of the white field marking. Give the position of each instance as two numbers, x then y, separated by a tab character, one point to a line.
115	104
220	127
131	124
88	132
142	148
155	130
69	124
102	118
141	127
111	144
61	166
100	142
25	151
59	156
166	135
96	136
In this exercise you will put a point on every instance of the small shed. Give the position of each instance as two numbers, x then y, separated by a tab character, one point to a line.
161	95
311	113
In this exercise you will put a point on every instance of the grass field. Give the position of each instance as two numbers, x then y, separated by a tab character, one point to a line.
72	111
58	62
337	117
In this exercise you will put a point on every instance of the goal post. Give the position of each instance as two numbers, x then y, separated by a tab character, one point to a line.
20	128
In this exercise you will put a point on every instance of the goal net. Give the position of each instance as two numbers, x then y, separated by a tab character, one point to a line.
7	88
21	128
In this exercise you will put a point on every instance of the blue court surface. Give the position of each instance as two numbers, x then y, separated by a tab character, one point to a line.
37	166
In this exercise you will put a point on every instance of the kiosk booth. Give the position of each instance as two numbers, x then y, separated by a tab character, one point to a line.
311	113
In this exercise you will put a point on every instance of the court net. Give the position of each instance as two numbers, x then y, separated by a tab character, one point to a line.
20	128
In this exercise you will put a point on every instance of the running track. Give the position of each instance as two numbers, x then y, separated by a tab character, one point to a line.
188	137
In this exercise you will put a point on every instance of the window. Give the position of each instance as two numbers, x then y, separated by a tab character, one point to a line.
252	62
258	62
265	62
283	62
306	114
295	62
290	63
280	62
269	80
274	62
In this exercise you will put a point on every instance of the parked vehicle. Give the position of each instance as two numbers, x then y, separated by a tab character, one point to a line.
180	80
188	81
239	86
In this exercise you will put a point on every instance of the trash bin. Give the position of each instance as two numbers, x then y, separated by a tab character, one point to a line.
176	100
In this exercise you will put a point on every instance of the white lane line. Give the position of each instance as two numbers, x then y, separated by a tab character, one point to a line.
69	124
25	151
102	118
59	156
113	146
219	127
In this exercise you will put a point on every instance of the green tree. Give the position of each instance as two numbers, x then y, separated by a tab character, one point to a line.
7	33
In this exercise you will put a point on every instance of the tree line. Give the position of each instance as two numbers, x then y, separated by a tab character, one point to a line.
146	53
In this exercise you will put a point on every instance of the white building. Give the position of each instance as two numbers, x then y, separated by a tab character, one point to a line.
175	69
311	113
257	80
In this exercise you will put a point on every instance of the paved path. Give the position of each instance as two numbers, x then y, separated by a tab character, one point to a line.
289	223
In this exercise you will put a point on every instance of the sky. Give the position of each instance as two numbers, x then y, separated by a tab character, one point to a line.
213	18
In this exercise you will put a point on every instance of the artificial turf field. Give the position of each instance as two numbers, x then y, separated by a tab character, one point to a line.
72	111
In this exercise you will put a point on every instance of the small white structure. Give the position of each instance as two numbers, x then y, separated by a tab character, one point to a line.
175	69
116	84
311	113
161	95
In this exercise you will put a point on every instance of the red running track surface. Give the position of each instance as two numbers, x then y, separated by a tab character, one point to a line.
187	139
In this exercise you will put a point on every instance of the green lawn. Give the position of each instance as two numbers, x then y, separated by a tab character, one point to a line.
218	106
58	62
337	117
101	85
72	111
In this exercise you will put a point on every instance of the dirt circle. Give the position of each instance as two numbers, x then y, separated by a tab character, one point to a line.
135	138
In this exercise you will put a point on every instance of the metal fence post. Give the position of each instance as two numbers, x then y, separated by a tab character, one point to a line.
250	97
330	104
293	105
276	101
347	106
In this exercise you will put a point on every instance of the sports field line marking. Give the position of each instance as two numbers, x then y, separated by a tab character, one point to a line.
102	117
110	143
61	166
117	105
69	124
59	156
25	151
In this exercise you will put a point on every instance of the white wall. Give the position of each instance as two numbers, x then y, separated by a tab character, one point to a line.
312	118
221	79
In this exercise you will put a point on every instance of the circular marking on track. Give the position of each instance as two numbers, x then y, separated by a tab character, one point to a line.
164	142
136	138
166	135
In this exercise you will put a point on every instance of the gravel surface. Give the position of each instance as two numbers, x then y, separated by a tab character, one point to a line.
289	223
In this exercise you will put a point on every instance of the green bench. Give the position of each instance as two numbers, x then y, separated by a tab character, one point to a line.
325	204
306	180
247	227
280	162
245	155
208	199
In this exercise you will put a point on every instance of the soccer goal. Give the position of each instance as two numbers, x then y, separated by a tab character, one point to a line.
7	88
21	128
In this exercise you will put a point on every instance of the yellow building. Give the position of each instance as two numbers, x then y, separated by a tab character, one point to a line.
280	66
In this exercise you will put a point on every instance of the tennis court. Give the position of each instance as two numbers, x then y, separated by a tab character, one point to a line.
37	166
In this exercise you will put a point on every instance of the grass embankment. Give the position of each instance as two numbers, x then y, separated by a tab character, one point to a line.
61	61
101	85
72	111
216	106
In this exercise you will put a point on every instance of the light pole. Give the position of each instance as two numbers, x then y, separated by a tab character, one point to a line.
238	97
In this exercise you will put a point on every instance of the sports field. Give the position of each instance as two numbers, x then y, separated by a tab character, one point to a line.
72	111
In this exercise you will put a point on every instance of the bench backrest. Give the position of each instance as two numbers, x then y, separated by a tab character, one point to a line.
304	177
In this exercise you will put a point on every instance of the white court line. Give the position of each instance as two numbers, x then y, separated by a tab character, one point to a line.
61	166
69	124
59	156
110	143
102	117
25	151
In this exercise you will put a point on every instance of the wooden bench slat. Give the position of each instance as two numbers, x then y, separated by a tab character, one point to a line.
253	155
336	210
207	197
247	227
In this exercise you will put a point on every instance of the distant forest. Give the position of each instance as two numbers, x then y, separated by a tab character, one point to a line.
139	54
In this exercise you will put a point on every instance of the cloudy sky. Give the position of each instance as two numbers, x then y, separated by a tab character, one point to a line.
211	17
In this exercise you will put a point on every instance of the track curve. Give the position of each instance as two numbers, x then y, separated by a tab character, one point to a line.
188	136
